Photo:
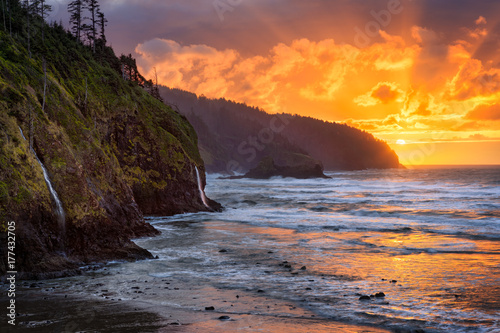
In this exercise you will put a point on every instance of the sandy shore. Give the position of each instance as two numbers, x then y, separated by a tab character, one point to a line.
133	303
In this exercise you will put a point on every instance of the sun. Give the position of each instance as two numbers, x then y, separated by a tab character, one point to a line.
401	142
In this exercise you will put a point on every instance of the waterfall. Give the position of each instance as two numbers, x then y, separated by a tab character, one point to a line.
202	194
59	208
22	134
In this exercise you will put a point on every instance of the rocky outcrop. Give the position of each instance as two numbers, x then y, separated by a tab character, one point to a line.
161	175
298	166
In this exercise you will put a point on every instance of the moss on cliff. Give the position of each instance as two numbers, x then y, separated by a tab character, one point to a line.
112	152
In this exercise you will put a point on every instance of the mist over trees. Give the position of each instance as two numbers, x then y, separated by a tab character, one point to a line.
235	137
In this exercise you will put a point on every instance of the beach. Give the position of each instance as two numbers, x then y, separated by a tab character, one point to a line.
91	303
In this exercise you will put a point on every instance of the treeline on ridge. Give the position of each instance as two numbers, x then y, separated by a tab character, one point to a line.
234	137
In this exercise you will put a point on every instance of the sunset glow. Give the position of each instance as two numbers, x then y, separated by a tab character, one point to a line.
250	165
388	67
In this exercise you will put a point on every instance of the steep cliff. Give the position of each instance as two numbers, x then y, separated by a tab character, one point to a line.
112	153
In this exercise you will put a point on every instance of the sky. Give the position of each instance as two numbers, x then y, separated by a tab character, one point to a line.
424	75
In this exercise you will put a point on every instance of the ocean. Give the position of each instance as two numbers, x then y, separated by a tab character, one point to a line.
427	238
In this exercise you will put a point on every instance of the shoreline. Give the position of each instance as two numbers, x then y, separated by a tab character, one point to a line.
182	306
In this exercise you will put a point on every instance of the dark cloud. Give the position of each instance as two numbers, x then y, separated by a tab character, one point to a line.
255	26
488	51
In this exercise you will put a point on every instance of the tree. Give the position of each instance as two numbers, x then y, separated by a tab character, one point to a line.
75	20
154	90
3	13
9	10
40	8
27	6
101	21
129	69
93	8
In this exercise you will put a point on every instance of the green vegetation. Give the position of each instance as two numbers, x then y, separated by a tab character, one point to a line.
104	139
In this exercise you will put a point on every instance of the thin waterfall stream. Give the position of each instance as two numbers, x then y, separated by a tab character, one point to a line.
59	208
200	188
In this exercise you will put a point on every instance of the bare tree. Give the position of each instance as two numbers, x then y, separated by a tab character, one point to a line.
155	91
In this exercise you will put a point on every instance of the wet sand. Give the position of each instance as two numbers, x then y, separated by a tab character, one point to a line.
109	302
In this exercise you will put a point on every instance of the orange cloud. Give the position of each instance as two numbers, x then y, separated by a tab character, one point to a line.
423	35
415	86
485	112
383	92
458	53
481	20
315	71
478	32
423	109
197	68
473	80
393	54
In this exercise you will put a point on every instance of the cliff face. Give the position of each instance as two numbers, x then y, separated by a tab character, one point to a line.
112	152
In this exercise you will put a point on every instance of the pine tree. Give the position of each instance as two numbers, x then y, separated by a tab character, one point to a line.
93	8
102	26
75	9
130	71
27	6
3	13
42	9
9	10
